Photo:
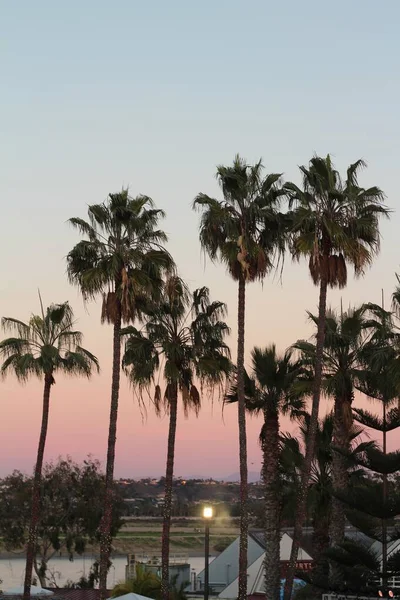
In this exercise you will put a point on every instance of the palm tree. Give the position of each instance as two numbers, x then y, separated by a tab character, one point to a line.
345	340
271	390
320	489
320	497
122	258
334	223
182	339
245	231
47	344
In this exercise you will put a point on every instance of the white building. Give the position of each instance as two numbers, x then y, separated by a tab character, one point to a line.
224	569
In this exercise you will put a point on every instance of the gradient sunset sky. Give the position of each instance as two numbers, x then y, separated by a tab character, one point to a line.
96	95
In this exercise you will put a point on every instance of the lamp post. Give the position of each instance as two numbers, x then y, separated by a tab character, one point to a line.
207	514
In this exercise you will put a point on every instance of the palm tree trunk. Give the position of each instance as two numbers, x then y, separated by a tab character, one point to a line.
320	541
244	525
301	508
31	548
339	481
272	505
105	532
385	498
173	412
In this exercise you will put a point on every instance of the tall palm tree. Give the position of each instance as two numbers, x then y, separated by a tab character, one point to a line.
182	339
271	391
122	257
48	343
346	336
334	223
245	231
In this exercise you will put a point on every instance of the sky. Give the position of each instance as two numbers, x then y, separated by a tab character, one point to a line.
153	95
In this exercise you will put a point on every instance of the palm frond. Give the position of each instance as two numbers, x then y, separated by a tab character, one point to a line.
245	230
334	222
45	345
122	253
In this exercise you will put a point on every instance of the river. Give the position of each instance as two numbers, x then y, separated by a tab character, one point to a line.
12	570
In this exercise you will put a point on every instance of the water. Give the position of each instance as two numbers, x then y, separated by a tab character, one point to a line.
12	570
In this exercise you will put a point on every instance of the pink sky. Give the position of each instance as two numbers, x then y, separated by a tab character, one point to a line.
205	446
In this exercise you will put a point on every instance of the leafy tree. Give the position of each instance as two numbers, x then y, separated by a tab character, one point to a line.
334	223
245	231
70	510
146	583
47	344
86	582
182	339
373	511
122	258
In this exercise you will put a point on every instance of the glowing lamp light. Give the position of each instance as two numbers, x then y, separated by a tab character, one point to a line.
207	512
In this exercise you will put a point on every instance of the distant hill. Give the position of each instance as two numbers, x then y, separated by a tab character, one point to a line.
253	477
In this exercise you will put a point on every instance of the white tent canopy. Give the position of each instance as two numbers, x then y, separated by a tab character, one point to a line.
132	596
35	591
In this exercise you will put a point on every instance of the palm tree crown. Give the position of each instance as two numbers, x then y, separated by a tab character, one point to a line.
292	457
245	229
272	387
334	221
346	335
122	257
46	344
184	334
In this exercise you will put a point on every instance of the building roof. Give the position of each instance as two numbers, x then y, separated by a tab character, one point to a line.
67	594
76	594
306	541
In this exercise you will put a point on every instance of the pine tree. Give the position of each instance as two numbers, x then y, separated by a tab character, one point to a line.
374	504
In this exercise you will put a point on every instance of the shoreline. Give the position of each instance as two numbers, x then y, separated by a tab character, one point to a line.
139	545
90	554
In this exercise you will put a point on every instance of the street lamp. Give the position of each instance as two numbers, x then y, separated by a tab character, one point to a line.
207	514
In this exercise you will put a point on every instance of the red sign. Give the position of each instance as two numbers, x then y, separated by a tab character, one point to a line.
301	565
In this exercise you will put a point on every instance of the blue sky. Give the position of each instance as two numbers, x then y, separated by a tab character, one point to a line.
96	95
